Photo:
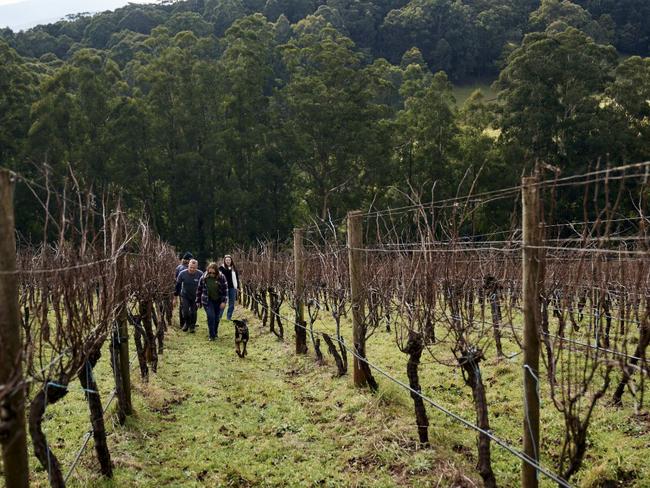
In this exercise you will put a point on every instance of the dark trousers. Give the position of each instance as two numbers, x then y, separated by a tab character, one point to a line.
232	298
181	319
212	311
188	309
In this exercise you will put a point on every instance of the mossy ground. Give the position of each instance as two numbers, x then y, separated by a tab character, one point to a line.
209	418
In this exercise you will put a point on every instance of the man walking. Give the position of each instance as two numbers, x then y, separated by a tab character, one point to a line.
186	285
185	260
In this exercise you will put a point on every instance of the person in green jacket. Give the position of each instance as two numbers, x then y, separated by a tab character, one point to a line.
212	294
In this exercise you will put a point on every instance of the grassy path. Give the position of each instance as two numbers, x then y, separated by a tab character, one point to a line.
210	418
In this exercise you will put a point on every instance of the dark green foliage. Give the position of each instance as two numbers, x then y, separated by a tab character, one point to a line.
428	130
551	94
139	20
294	10
100	29
326	116
189	21
465	38
630	93
125	45
559	15
440	29
226	121
222	13
16	95
630	19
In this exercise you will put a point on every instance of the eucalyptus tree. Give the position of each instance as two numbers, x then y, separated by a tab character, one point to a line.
327	117
551	94
179	85
253	171
70	117
17	91
427	130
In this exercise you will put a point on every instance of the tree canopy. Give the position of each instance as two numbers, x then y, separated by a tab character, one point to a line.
223	121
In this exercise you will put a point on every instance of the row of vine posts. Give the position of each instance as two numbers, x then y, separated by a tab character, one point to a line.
95	281
564	278
96	276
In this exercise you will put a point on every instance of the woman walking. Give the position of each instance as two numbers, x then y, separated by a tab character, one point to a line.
229	270
212	294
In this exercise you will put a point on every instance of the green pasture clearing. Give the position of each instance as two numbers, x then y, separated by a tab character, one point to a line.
463	91
273	419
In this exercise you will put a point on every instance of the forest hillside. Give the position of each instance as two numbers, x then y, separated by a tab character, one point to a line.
315	108
343	243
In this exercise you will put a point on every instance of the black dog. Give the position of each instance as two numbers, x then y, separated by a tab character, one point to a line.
241	337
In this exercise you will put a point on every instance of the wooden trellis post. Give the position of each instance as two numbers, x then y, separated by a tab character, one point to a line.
532	271
120	339
13	435
298	258
355	243
271	289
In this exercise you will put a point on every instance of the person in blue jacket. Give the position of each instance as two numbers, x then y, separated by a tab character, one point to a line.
186	286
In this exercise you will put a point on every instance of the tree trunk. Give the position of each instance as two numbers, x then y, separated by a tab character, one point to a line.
139	347
429	331
46	396
159	323
272	300
151	354
342	349
608	321
491	288
88	383
414	349
167	309
546	339
276	305
470	364
301	337
341	369
256	305
364	368
576	430
628	370
315	341
495	308
265	308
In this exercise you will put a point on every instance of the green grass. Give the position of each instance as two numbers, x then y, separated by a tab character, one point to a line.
210	418
619	441
463	91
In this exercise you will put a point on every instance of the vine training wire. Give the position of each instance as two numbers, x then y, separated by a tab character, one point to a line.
512	450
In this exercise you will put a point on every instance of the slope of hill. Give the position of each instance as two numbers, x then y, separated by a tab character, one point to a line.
24	14
319	108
